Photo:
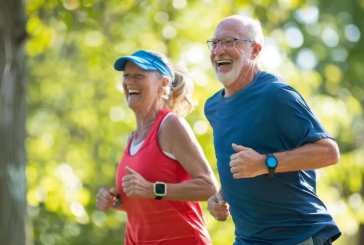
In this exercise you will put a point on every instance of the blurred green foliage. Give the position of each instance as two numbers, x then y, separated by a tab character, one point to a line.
78	121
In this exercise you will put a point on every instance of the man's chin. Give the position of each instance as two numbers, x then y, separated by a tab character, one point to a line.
226	82
224	79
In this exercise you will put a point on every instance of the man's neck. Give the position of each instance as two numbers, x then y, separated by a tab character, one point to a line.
245	77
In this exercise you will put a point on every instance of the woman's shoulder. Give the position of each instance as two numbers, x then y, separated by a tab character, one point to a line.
174	122
175	132
175	127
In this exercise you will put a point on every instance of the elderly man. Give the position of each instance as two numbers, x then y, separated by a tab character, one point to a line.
268	144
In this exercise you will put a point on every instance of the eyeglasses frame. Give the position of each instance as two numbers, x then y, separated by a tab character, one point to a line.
235	39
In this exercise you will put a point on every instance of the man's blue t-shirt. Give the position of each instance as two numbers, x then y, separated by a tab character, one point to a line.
269	116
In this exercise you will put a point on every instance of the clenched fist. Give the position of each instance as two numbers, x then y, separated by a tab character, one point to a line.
217	207
106	198
134	185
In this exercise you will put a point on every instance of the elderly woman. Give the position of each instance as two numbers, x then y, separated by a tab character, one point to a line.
163	172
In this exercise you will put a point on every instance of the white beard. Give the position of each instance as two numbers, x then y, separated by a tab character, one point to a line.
227	78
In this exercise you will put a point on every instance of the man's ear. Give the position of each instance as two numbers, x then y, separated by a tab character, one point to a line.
256	50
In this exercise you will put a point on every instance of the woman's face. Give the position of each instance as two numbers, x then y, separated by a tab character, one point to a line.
142	88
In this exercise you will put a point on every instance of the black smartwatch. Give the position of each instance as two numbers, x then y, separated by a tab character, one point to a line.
160	190
271	163
118	202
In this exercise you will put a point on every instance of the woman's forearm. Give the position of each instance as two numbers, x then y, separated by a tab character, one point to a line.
197	189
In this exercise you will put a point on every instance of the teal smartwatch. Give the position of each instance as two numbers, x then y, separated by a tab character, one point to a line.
271	163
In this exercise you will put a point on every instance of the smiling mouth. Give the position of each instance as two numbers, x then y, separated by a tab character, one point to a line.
133	92
223	62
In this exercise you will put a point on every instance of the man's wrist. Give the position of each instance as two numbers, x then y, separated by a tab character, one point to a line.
262	164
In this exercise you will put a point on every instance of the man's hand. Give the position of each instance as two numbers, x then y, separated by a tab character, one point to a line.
217	207
106	198
246	163
134	185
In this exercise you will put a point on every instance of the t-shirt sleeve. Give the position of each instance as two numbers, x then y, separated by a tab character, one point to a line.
294	122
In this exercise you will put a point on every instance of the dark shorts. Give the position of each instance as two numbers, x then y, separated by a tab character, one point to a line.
315	240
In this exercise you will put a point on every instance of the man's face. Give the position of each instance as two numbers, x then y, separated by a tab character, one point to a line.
228	64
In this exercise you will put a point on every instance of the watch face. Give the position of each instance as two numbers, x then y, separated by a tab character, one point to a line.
160	189
271	162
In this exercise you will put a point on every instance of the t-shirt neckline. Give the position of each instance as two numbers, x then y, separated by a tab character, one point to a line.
256	78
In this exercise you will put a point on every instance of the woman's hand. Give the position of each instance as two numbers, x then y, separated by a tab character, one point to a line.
134	185
217	207
106	198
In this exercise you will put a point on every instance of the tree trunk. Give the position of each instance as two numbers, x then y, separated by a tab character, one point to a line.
12	123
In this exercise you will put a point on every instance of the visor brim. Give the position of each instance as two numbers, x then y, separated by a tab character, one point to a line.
144	64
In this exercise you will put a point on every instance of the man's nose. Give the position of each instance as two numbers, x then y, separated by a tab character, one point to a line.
219	49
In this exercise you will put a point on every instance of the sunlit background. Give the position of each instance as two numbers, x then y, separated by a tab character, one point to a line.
78	121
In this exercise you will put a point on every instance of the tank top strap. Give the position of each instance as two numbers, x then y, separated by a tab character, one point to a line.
153	133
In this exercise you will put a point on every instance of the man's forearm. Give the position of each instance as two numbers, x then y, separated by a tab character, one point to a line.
322	153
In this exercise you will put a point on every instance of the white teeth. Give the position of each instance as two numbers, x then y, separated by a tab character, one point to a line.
133	91
223	61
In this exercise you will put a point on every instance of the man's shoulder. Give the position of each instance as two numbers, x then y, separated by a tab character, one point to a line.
277	85
272	80
214	97
269	84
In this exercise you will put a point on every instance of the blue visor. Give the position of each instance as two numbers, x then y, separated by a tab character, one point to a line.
146	61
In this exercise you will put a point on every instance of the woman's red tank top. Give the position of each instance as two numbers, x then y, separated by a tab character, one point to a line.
162	222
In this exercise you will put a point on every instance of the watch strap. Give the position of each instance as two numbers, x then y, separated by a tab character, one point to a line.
118	202
271	171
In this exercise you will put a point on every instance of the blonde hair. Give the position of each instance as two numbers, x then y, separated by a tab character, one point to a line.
177	95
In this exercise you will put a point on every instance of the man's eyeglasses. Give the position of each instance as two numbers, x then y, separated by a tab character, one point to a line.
227	42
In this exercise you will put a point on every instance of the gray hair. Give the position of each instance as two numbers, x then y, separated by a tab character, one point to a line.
254	28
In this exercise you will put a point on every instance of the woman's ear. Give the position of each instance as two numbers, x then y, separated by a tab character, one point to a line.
165	82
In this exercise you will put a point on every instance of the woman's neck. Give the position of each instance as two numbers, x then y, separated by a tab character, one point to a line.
146	116
144	120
